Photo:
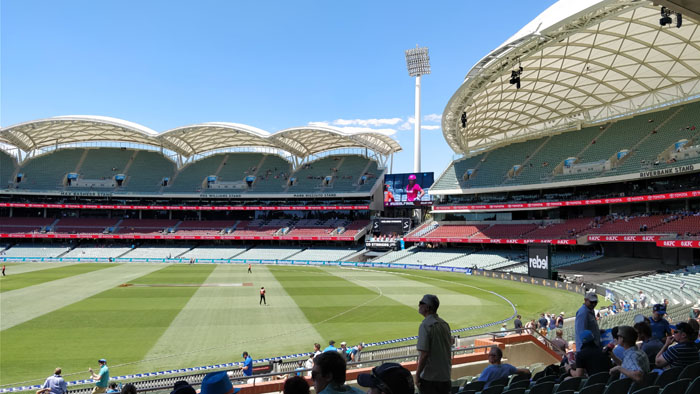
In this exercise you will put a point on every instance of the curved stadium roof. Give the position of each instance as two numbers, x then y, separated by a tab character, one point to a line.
584	62
190	140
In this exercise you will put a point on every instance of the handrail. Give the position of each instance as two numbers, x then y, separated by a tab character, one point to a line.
195	380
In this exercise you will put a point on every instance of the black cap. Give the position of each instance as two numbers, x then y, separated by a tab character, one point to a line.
182	387
390	378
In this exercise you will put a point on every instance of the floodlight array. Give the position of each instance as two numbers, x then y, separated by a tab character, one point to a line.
418	61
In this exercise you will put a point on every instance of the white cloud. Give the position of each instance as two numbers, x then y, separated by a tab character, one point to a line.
408	124
355	129
430	127
432	118
320	124
367	122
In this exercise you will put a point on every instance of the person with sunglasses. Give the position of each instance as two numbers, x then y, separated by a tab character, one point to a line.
433	372
388	378
683	353
585	320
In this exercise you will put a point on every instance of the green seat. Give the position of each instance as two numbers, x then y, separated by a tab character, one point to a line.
677	387
619	386
647	390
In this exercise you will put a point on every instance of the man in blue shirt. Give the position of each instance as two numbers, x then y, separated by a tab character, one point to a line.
497	370
102	377
331	347
585	320
660	327
247	364
54	384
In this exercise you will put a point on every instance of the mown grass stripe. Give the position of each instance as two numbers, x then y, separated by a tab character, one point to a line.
222	322
20	268
55	272
343	311
119	324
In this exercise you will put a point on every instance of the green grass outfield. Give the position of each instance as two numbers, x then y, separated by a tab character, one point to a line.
70	315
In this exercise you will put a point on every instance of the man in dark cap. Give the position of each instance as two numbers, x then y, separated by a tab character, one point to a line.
433	373
660	327
683	353
586	321
389	378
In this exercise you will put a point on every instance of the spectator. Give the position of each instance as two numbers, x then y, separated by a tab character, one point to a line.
542	323
695	325
247	364
296	385
217	383
618	352
642	299
552	323
113	388
660	328
388	378
355	352
585	320
54	384
560	320
518	324
344	350
317	349
129	388
650	345
328	374
310	362
683	353
102	377
504	328
182	387
496	370
560	342
695	312
590	359
635	362
434	346
331	347
299	368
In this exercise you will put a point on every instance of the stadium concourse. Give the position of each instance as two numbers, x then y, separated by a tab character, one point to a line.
579	144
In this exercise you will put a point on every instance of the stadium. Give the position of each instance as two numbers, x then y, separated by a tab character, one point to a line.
578	173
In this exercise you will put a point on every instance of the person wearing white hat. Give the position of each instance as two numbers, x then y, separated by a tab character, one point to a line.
585	320
695	311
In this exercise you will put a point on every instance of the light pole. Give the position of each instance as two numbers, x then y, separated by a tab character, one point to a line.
418	63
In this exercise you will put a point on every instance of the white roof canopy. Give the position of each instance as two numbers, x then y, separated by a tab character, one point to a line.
59	130
584	62
190	140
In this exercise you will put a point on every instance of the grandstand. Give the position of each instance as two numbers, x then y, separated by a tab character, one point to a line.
156	252
96	252
24	225
146	172
645	138
7	168
270	253
213	252
35	251
679	288
48	171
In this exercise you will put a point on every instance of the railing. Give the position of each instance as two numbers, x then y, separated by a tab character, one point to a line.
282	370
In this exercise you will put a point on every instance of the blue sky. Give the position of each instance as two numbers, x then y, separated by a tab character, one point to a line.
269	64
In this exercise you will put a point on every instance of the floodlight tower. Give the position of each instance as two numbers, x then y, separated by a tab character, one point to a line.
418	63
